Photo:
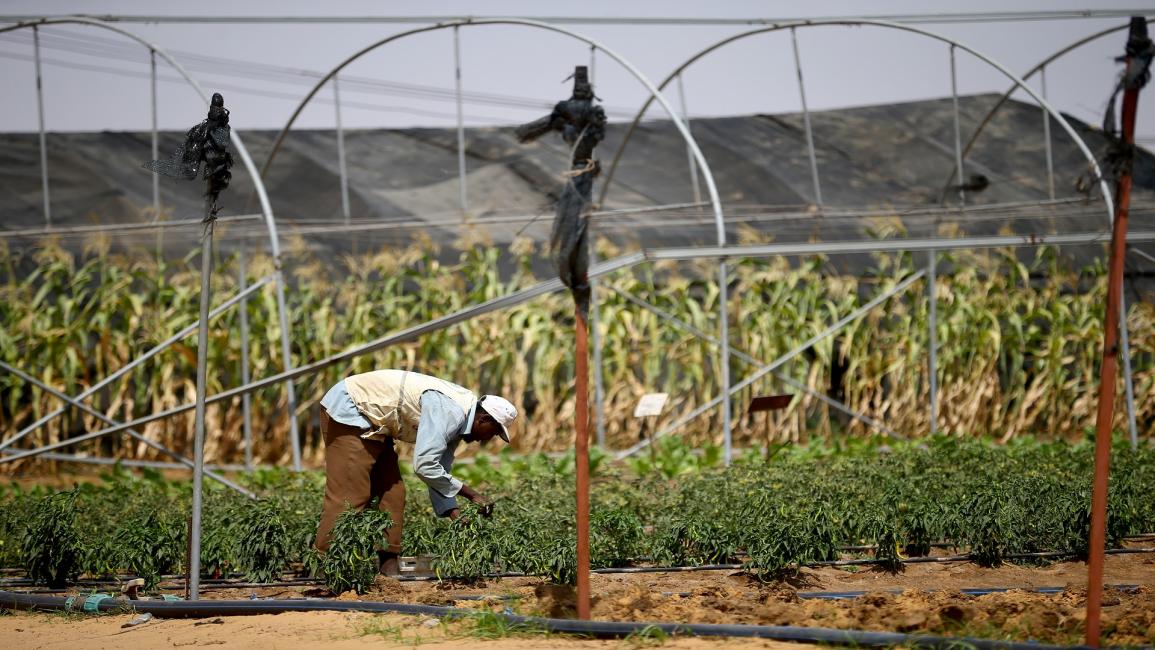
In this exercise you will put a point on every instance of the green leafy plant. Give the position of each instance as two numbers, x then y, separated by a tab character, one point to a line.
262	539
469	549
351	561
51	547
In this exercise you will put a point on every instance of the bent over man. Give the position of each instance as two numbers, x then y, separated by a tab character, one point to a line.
362	417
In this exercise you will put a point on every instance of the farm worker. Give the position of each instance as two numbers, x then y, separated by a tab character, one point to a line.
363	415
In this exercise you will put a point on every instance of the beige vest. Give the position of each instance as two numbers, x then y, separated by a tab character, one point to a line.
391	400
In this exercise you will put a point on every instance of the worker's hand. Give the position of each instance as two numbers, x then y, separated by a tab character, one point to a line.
484	504
485	507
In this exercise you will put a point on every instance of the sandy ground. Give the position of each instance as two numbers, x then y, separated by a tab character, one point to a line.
336	630
929	603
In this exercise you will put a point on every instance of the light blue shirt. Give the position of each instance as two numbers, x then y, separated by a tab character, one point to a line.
341	408
440	430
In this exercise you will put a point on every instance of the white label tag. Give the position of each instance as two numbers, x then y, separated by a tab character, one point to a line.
651	404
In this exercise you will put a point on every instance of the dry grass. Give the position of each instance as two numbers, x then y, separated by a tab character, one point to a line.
1019	345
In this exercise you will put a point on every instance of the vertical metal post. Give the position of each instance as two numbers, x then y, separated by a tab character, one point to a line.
1047	138
1137	42
155	138
932	343
341	169
1128	379
689	152
43	139
599	380
957	131
724	358
287	360
460	121
806	121
247	398
582	462
194	560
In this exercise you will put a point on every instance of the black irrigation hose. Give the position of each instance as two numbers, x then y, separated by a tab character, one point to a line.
204	609
978	591
806	595
21	582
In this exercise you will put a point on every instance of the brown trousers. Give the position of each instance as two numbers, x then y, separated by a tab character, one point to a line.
356	470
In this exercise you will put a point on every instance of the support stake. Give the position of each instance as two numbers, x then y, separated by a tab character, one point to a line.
1133	80
582	461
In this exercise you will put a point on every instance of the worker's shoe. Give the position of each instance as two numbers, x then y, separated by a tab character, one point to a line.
389	564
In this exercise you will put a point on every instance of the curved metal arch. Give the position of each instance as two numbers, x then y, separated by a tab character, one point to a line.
266	208
655	94
1030	73
258	184
1018	83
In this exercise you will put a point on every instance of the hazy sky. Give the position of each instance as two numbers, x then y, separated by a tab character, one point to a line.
97	80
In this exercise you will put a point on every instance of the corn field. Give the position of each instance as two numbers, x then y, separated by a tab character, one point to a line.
1019	343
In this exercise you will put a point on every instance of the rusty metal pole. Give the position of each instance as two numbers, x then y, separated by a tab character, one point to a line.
1109	370
582	464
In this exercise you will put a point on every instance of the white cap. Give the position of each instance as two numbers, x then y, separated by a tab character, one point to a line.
501	410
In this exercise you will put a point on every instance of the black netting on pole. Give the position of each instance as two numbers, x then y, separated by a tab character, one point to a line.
582	124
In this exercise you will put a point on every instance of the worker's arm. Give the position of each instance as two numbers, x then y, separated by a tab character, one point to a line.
441	418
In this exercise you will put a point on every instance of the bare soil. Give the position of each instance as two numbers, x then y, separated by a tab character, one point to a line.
924	598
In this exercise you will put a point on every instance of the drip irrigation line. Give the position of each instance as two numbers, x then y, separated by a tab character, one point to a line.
225	584
969	591
205	608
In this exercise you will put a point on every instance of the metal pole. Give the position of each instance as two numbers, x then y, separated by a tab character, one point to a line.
599	386
1145	256
341	152
155	137
287	359
163	345
1137	42
724	354
582	462
1047	138
460	121
128	462
43	138
184	462
599	379
117	227
1128	378
689	152
957	130
932	344
194	560
806	121
247	398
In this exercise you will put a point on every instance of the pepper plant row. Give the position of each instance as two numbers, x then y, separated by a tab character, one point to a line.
672	508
